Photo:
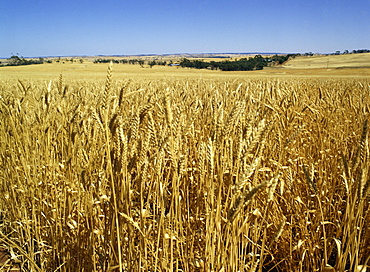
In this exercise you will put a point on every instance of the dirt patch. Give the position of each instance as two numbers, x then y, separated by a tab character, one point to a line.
6	263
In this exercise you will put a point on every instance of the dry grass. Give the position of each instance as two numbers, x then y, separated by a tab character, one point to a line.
185	174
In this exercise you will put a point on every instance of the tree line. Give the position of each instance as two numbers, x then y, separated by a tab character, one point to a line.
17	61
123	61
141	62
244	64
359	51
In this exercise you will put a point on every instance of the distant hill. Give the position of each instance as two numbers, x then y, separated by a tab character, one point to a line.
213	55
330	61
318	61
185	55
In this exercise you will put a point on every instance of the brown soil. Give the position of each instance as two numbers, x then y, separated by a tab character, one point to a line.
6	264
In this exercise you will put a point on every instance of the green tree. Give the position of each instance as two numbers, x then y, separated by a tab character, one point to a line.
151	63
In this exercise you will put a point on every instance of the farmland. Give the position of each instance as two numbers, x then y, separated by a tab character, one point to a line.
331	61
128	168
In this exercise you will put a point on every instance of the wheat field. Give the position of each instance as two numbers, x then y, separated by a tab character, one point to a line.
185	174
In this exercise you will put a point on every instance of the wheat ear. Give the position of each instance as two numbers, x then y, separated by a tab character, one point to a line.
107	87
243	200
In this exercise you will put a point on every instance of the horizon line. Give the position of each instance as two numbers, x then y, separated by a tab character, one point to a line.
170	54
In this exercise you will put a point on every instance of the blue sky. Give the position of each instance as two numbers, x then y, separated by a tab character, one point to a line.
109	27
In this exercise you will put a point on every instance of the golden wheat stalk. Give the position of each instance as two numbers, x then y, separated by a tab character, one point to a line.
168	110
60	84
360	152
274	183
243	200
108	83
121	93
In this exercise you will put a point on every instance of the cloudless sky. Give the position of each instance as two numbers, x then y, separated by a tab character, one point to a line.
127	27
